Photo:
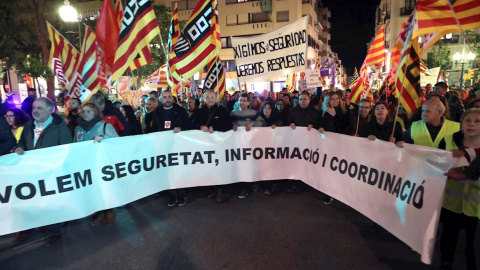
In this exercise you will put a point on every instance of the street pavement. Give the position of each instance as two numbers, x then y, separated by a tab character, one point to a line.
283	231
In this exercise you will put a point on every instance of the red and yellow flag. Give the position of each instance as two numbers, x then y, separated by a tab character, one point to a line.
467	12
138	29
362	88
401	40
354	80
86	80
376	54
198	46
118	13
433	16
63	57
215	79
407	78
173	36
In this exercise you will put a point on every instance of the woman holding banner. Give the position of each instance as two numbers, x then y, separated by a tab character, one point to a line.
269	117
461	201
333	117
92	127
381	126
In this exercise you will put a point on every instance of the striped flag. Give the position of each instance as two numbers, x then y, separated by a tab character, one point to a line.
173	36
215	70
402	38
63	56
407	78
139	27
354	80
467	13
376	54
158	78
200	42
362	88
86	80
434	16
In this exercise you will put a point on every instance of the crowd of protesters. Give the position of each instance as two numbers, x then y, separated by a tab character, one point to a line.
447	119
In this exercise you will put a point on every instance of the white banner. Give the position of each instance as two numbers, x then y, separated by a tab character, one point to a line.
272	54
400	189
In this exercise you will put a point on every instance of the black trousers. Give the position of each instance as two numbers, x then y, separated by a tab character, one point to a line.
452	224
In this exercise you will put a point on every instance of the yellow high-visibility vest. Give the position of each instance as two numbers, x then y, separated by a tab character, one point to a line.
461	197
421	136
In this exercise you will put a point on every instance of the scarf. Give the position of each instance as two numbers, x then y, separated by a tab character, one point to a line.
88	125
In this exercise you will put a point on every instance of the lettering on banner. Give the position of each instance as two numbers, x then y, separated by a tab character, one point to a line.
406	190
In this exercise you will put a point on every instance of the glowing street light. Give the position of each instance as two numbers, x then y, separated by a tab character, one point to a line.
68	13
461	57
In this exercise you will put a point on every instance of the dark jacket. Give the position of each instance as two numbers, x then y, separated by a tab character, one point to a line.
382	132
178	118
57	133
7	140
337	123
455	107
133	127
27	105
216	117
302	117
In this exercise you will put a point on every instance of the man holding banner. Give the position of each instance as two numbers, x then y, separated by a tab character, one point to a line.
47	130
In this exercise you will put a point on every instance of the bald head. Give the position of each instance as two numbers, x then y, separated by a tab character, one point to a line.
432	112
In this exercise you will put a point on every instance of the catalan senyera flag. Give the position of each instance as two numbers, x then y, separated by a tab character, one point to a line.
466	12
354	80
139	27
362	87
215	78
376	54
86	80
198	46
63	57
173	35
434	16
407	78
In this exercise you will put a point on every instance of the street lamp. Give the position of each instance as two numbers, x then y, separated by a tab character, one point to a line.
461	57
69	14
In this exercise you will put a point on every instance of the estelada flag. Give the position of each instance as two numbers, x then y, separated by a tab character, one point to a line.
200	42
63	57
139	27
376	53
215	78
86	81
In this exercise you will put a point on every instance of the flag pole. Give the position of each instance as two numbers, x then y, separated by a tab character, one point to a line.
401	92
218	93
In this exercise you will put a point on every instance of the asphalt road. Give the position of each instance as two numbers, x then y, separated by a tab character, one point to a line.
283	231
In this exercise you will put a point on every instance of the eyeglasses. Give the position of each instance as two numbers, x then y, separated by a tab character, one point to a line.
9	115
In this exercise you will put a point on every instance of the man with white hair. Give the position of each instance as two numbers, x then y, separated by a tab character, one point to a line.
433	127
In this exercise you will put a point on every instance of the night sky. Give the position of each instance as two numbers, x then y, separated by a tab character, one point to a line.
353	25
